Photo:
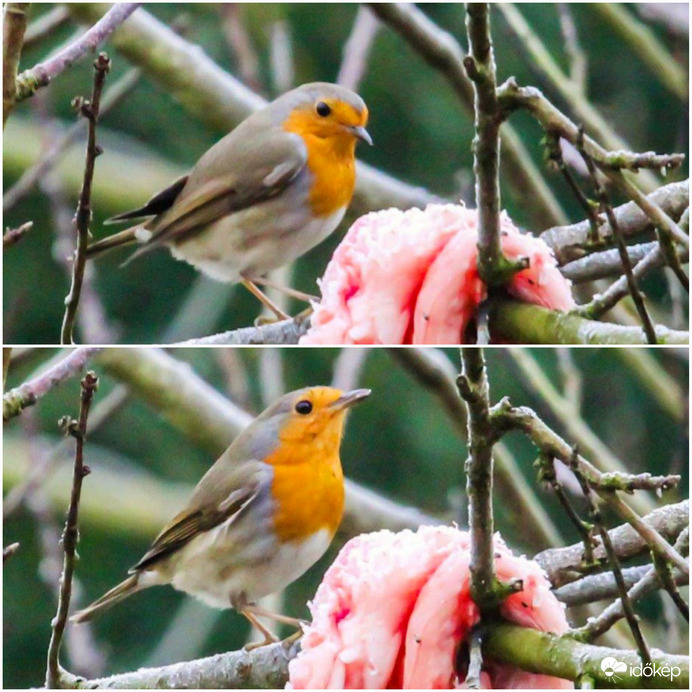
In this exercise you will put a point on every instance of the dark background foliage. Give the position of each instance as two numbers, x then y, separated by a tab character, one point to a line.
399	443
422	136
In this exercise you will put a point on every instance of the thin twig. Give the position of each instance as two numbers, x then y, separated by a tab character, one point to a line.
90	110
493	267
44	72
625	601
543	60
442	51
604	199
647	582
570	243
607	264
43	469
27	394
9	551
602	586
620	288
14	23
512	97
431	368
13	235
23	187
547	474
563	565
473	676
70	536
505	418
357	49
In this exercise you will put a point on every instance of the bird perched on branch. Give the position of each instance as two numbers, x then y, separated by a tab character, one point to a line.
262	196
264	513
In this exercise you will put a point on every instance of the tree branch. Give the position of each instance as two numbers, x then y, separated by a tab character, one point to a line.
522	323
562	565
570	243
16	400
42	74
442	51
284	332
90	110
23	187
493	267
266	667
70	535
565	657
601	587
14	23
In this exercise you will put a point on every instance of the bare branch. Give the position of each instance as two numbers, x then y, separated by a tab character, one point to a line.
9	551
601	587
16	400
569	243
562	565
90	110
521	323
357	49
442	51
14	23
70	536
284	332
23	187
565	657
42	74
13	235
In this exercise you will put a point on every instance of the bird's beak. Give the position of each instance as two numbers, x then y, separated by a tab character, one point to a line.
361	133
349	399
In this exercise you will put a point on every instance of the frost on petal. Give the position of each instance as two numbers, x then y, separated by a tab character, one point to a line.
393	610
410	277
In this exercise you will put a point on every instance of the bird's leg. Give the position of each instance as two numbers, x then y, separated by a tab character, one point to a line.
269	637
292	292
280	314
284	619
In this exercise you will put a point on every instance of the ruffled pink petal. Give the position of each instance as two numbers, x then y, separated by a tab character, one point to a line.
409	277
393	609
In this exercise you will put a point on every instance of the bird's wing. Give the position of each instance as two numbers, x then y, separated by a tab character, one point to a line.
226	499
260	170
159	203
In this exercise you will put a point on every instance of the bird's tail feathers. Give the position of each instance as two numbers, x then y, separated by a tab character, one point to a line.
115	595
101	247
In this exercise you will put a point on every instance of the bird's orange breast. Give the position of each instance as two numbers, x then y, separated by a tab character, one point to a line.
308	495
331	160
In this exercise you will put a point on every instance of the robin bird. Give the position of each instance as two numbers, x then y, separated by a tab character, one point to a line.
264	513
262	196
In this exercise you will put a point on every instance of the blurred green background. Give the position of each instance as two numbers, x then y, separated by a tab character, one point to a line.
421	133
399	443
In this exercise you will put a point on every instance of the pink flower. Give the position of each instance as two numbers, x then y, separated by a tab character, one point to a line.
410	277
394	608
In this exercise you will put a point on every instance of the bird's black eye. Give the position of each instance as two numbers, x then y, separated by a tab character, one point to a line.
304	407
323	109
